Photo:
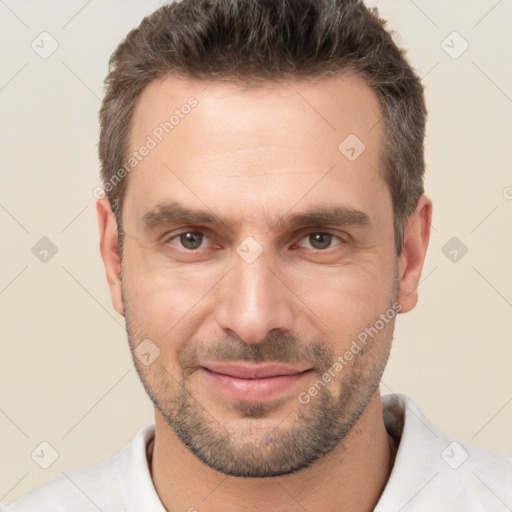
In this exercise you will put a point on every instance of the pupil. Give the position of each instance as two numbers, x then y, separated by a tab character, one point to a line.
320	240
191	240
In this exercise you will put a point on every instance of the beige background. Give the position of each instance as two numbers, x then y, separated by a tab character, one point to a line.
65	373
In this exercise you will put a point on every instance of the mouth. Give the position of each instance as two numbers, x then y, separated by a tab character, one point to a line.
255	383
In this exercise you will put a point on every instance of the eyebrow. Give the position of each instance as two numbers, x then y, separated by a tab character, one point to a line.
175	212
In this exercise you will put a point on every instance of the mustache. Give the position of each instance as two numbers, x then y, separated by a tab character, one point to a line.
275	347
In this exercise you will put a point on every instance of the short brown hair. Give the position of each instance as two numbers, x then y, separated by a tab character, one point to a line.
257	41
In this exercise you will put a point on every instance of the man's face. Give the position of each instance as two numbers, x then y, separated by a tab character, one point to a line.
291	260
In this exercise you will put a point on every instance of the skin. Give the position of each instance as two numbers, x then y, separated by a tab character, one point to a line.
248	157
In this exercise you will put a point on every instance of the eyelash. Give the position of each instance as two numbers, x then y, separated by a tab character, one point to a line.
168	239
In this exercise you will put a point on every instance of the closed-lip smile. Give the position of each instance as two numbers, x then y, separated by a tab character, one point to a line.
252	371
252	382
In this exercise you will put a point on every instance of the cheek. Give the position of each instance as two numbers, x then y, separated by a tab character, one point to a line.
163	299
171	304
347	299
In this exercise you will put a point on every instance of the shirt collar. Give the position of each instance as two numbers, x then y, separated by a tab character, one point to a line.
133	474
403	419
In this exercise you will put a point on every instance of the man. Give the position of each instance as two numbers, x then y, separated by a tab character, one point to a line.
263	225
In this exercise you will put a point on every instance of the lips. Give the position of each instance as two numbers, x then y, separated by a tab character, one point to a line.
247	371
255	383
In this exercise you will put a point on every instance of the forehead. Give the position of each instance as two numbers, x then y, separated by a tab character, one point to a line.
255	146
327	106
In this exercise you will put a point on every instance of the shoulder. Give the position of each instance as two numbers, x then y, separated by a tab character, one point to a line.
79	489
97	487
433	469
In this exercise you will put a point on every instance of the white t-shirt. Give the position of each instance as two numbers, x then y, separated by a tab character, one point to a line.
432	472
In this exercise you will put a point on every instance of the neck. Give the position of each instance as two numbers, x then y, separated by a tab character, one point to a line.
357	470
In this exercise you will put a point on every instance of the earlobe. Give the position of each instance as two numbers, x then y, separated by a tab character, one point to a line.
107	226
410	262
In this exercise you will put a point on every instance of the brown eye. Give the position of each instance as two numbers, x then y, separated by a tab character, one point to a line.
320	240
191	240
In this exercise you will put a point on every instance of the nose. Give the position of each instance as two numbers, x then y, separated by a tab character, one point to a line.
254	300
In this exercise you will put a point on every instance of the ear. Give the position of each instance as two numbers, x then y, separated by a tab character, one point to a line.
107	225
410	262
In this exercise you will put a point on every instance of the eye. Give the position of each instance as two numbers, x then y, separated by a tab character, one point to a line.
320	240
190	240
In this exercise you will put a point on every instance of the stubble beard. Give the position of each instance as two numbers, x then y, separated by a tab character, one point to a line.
257	450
